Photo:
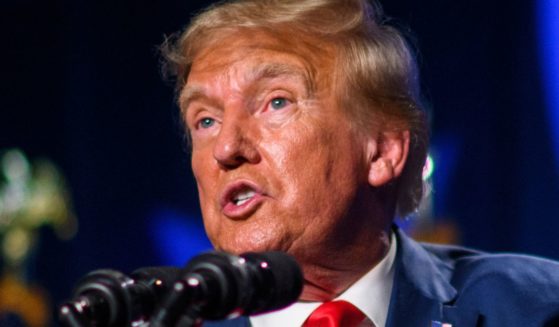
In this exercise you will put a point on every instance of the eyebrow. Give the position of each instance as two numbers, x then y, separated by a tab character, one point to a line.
191	93
274	70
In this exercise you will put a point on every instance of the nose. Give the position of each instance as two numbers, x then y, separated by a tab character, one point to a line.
236	143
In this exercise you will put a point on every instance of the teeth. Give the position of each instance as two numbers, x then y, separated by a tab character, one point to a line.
243	197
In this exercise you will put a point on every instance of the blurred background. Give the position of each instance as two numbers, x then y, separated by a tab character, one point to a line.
95	173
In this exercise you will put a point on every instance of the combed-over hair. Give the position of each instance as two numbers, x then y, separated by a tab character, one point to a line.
376	68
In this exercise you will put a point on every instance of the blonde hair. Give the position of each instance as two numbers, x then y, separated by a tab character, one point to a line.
376	68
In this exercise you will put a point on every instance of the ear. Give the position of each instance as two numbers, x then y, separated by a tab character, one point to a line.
387	155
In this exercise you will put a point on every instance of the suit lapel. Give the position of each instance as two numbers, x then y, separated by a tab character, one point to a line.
421	289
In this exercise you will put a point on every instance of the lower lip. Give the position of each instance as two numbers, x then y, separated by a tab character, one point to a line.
244	210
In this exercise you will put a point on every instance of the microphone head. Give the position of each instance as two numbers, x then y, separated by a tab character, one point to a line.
276	278
221	284
102	296
107	297
228	285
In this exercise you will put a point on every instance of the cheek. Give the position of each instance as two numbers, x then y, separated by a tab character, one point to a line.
321	168
211	224
207	191
197	162
298	158
205	171
308	152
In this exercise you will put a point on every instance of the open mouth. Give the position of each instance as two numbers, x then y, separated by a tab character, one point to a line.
241	199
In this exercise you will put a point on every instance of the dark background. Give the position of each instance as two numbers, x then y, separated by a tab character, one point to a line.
80	84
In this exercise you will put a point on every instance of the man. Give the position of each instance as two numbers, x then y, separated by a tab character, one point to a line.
308	137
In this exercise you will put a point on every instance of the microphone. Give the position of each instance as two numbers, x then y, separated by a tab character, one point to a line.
218	285
108	298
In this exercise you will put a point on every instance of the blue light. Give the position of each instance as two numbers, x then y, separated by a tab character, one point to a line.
177	237
548	18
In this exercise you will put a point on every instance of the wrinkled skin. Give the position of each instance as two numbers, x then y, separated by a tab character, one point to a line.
278	165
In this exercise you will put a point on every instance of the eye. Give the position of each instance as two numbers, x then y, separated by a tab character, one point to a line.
278	103
206	122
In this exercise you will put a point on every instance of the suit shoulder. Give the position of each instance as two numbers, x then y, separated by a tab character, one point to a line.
482	263
477	266
450	254
508	278
502	286
508	271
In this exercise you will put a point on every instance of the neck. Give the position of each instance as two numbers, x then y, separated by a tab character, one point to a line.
328	278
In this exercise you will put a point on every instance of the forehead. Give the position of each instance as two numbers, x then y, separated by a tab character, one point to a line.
261	53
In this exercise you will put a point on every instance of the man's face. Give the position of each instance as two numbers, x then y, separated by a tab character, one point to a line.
276	163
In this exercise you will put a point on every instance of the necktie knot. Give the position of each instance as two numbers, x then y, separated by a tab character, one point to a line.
335	314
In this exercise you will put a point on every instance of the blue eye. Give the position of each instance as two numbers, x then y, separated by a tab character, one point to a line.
278	103
206	122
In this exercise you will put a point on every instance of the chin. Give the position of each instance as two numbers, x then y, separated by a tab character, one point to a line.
244	247
251	235
251	242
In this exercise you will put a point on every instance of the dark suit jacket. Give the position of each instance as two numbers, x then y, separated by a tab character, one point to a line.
447	284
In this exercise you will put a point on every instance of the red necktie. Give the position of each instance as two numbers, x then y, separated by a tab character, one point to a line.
335	314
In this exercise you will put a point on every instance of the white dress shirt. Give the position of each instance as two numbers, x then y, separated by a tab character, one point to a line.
371	294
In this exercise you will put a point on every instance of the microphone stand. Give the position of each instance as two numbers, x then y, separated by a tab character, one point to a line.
183	304
69	316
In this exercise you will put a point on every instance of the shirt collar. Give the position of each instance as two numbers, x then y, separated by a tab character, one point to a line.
371	294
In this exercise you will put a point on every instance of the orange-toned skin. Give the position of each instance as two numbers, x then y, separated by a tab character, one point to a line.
263	115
